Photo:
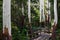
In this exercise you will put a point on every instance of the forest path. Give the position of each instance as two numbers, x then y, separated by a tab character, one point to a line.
43	36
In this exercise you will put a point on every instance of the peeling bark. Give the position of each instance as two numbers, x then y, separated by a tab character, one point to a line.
55	21
6	20
53	31
5	35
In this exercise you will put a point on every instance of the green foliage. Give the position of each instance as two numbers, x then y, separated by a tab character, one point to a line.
17	12
0	14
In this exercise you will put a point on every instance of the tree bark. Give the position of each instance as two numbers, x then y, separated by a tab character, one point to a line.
29	14
42	15
7	19
55	21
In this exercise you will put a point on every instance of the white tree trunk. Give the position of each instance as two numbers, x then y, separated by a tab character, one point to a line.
22	9
42	16
7	15
29	13
55	21
47	9
49	12
55	11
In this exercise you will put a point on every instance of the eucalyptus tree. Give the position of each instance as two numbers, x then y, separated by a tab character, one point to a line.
42	16
55	20
7	20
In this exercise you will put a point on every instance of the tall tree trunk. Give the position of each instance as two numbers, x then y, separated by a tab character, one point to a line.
29	18
42	16
22	8
7	20
49	12
55	20
29	14
47	6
